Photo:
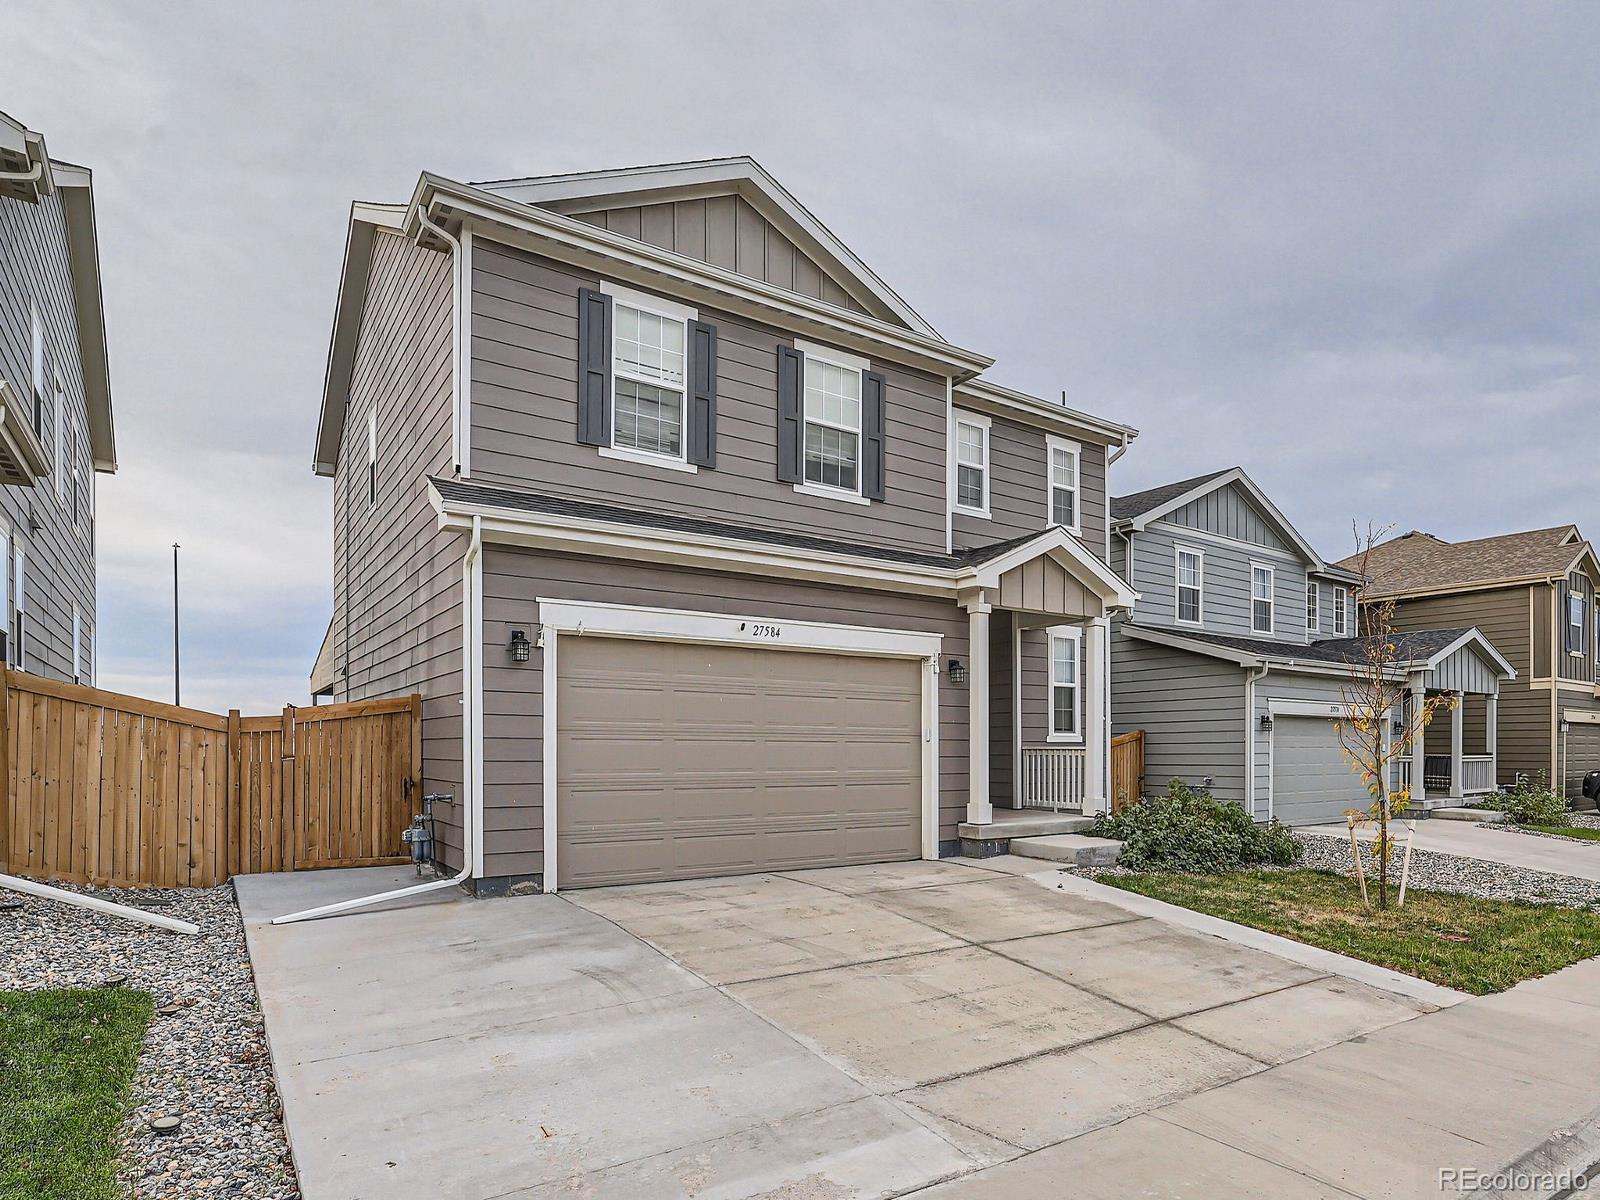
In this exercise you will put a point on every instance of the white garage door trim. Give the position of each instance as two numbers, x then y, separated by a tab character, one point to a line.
577	618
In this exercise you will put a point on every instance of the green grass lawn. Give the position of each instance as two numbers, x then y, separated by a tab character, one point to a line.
1473	945
66	1068
1571	831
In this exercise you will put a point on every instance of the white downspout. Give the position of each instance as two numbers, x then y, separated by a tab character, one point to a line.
1250	681
32	175
126	912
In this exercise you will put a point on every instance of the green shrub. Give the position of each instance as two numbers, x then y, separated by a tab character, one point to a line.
1529	801
1187	830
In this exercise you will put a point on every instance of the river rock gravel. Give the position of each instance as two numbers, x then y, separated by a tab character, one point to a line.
205	1055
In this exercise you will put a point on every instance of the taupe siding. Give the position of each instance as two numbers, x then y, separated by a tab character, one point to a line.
1019	502
60	563
1225	605
1000	710
1227	512
524	405
514	579
727	231
397	579
1191	709
1580	665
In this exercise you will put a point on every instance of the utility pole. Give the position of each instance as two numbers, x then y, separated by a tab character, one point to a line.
177	691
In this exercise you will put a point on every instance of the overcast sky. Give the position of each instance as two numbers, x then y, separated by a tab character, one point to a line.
1354	249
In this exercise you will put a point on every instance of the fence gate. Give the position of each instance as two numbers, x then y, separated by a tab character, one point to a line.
1127	769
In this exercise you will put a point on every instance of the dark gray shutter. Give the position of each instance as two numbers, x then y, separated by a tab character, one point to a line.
702	397
594	368
790	371
872	436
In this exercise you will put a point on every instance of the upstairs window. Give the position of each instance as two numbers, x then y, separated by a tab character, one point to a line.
1313	607
972	465
19	615
78	670
1577	621
372	456
1063	483
75	457
1341	611
649	366
832	423
60	447
1260	598
1064	692
1189	579
37	348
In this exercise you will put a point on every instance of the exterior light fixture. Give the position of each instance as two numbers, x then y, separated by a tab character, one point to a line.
958	672
1266	720
520	646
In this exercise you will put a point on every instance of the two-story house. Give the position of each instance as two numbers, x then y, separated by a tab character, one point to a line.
707	553
55	408
1238	659
1533	593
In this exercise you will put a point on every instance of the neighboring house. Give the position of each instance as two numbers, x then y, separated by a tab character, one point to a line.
1236	660
1533	594
55	408
706	552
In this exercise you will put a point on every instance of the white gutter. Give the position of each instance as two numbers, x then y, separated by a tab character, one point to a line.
472	804
1250	680
460	397
31	175
126	912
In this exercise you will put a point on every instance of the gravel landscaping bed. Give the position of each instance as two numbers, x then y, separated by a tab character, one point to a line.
205	1057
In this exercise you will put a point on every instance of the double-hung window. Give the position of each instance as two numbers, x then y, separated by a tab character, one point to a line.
1260	598
60	447
1062	471
832	415
37	347
972	464
1189	585
372	456
1313	606
1341	611
649	377
1065	694
1577	620
75	456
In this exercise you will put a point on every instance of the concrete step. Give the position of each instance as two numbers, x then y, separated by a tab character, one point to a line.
1075	849
1487	815
1024	824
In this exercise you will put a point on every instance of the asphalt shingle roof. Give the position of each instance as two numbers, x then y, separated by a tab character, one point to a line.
1412	646
1416	560
1126	508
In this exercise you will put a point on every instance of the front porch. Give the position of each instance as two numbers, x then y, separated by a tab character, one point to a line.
1455	756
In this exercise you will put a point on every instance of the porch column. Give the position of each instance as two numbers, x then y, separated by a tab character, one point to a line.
979	810
1419	749
1457	724
1491	735
1096	735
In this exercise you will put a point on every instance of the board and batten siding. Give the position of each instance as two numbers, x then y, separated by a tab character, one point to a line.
1192	711
1019	500
1227	512
515	578
524	418
59	554
1225	570
397	603
726	231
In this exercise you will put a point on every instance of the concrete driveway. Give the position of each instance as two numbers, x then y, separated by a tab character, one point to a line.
1469	839
855	1032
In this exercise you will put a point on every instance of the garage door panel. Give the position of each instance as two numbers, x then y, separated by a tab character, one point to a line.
1311	781
680	761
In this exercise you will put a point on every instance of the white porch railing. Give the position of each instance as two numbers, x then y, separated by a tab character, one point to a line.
1053	778
1477	774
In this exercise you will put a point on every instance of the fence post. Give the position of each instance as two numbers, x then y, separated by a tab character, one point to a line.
416	750
288	789
233	797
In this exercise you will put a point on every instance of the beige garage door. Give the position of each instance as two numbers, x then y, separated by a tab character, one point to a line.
677	761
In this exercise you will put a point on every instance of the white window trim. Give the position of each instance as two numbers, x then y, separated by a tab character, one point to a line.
1313	606
77	644
1178	550
372	457
848	362
959	418
1051	445
38	374
670	311
1341	611
1073	634
19	604
59	418
76	446
1271	601
1581	624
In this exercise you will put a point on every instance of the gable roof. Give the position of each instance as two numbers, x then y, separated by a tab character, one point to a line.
1416	649
1421	562
1127	508
588	191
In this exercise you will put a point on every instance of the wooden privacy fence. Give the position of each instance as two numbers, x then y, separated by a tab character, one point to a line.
1127	769
115	790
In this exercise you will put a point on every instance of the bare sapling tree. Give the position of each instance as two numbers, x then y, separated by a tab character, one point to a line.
1379	727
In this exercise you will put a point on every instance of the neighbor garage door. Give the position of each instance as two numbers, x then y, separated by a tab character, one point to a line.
678	760
1311	782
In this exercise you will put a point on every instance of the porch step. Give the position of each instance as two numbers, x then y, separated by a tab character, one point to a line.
1024	824
1075	849
1488	815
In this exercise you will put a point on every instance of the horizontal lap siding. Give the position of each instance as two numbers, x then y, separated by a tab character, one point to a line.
1018	498
397	578
513	702
1225	605
524	419
1191	709
1276	685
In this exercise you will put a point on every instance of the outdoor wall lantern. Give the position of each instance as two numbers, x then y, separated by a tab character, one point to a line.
1266	720
958	672
520	646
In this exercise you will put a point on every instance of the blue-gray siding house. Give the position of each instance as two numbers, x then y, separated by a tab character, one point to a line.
1236	661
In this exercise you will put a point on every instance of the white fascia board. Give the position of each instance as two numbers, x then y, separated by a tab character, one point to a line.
685	625
1473	637
83	265
667	273
1234	475
983	396
1068	551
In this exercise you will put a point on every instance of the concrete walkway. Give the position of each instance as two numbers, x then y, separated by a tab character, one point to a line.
1581	860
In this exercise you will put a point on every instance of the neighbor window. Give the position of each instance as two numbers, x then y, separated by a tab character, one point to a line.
649	366
19	618
77	644
372	456
75	457
60	448
1189	575
1313	607
38	374
972	465
1064	723
1260	598
833	424
1063	483
1341	611
1577	621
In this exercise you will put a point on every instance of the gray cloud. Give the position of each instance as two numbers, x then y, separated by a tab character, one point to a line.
1354	248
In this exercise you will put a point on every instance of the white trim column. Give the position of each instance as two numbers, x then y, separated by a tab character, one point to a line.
1457	726
1419	751
1491	735
979	809
1097	736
